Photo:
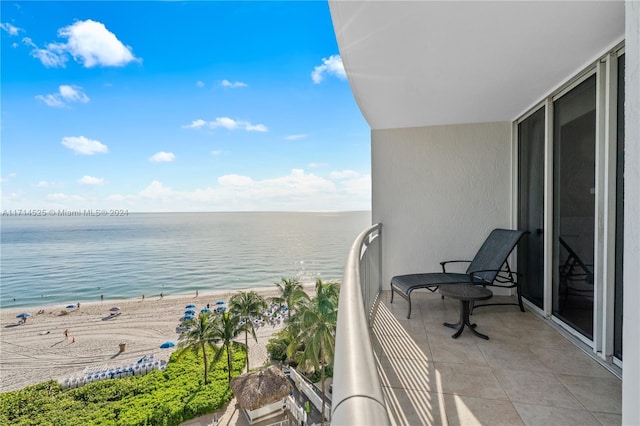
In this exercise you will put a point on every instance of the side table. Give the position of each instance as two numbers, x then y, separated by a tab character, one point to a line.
465	293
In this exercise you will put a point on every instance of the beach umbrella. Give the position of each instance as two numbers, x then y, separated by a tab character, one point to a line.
187	317
220	302
190	311
114	309
190	305
23	315
205	310
70	306
166	345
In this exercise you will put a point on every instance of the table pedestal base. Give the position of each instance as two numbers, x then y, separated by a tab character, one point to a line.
464	320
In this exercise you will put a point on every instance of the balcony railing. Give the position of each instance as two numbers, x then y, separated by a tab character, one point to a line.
357	394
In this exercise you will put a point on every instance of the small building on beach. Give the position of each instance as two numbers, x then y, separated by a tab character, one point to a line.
261	394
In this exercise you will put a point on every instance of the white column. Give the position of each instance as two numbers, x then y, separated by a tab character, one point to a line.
631	326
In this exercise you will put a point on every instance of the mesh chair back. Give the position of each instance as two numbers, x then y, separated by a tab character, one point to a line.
494	252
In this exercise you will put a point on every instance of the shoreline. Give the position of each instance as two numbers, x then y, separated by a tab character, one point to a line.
201	293
38	350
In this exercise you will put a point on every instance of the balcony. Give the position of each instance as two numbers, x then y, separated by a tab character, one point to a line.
526	373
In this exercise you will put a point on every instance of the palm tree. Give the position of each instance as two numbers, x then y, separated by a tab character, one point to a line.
224	329
199	336
313	330
245	305
291	293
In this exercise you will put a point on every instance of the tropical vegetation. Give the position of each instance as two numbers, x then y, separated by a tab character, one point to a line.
225	328
167	397
308	341
291	293
247	305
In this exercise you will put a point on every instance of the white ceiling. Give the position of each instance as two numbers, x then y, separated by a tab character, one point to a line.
423	63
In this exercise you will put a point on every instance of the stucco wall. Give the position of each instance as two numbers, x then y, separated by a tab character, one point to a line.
438	192
631	325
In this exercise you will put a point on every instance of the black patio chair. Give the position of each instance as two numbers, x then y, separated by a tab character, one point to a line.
489	267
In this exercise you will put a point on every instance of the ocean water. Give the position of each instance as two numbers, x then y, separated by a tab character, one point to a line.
59	260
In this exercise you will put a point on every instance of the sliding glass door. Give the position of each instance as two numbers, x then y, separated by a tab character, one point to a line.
617	311
531	138
574	140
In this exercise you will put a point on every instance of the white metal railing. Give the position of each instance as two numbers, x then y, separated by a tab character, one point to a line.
357	394
307	388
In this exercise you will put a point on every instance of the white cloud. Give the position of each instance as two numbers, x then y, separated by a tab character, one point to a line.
90	180
61	196
89	43
235	180
296	137
195	124
234	85
7	178
255	128
330	66
297	190
227	123
44	184
200	83
12	30
49	58
317	165
216	152
156	190
345	174
51	100
66	93
84	146
162	157
73	94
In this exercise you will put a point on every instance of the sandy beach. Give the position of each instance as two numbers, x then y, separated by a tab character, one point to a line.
38	350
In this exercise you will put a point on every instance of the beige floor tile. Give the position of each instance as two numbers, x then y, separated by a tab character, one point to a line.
545	338
402	347
475	381
533	387
470	411
415	407
510	356
608	419
452	352
541	415
599	394
572	361
407	374
523	321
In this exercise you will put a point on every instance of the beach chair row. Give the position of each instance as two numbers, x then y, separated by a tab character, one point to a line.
137	369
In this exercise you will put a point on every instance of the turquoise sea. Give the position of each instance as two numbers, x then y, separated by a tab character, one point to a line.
54	260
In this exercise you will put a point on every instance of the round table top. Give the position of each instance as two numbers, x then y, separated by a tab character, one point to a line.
468	292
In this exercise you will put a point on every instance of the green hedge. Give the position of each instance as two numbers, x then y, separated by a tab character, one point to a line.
166	397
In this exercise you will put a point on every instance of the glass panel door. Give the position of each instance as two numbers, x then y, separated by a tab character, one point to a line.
531	206
574	132
617	311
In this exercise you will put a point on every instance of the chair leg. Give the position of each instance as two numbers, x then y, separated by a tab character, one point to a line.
391	294
409	300
520	299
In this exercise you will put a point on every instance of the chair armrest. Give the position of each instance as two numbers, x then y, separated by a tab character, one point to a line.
508	276
444	269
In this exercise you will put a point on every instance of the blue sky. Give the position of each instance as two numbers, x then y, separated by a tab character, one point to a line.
178	106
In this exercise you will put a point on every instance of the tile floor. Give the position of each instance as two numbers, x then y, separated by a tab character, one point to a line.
525	374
